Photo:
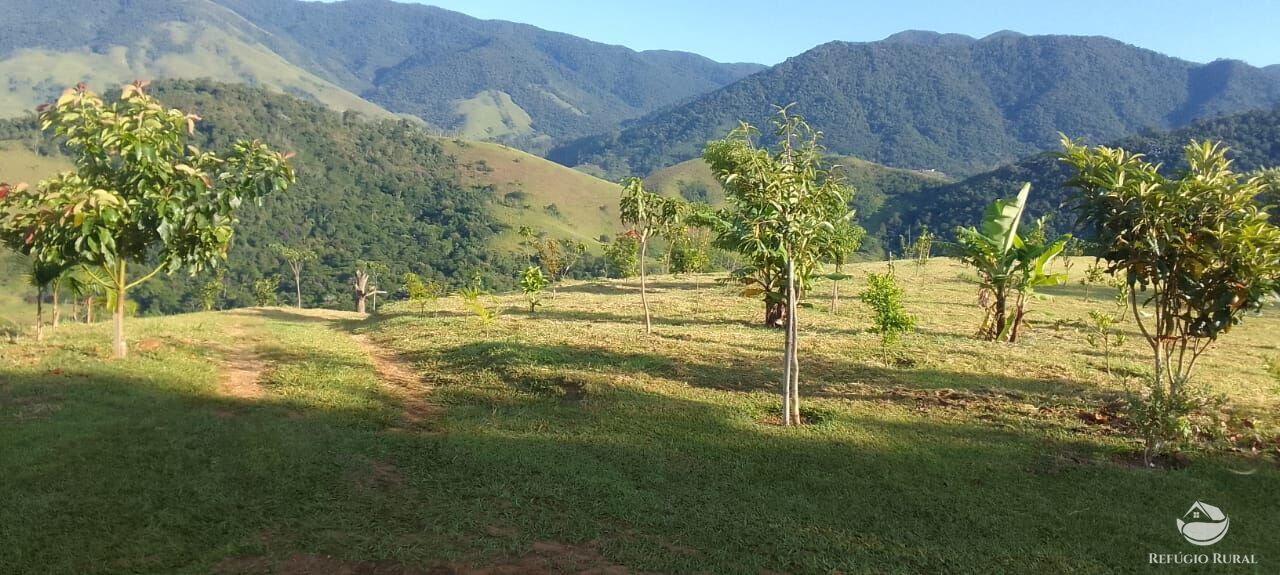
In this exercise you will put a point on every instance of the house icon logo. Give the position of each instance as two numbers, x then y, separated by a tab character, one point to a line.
1203	524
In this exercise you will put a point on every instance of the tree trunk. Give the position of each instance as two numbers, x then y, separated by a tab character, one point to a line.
40	313
835	292
56	314
1000	320
121	350
793	321
775	313
88	309
297	284
788	364
360	302
644	296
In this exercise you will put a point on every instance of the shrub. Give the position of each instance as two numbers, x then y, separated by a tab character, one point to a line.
265	291
532	282
889	317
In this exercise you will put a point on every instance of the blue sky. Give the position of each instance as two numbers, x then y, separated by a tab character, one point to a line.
769	31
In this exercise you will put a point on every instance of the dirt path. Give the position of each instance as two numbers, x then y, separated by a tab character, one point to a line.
242	368
402	381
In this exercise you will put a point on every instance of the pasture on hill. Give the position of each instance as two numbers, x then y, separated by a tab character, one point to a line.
304	441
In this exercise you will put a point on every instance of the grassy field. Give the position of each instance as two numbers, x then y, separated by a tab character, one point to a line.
524	185
270	440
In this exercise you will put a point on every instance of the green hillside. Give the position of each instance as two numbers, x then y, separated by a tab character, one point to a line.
1254	139
480	78
954	104
382	191
531	191
189	39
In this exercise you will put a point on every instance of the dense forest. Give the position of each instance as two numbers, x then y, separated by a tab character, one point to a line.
1253	139
367	191
946	102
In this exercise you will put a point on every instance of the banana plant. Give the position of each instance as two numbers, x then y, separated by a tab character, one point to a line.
1010	266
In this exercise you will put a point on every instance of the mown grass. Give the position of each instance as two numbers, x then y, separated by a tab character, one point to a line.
568	440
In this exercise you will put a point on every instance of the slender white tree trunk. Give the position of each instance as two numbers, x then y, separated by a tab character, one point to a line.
788	354
297	283
644	296
793	321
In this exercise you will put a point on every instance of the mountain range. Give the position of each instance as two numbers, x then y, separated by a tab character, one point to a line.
959	105
463	76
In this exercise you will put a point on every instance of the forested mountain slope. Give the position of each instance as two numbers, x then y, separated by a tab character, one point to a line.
928	101
1254	139
383	191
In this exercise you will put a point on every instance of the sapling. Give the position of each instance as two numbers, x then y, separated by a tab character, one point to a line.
532	282
1103	336
889	317
265	291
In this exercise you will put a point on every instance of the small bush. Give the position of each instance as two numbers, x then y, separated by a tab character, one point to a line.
532	282
890	318
265	291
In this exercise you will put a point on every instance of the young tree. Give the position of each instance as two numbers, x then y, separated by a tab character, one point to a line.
620	255
211	291
296	257
890	318
138	193
647	213
1008	265
532	282
420	293
41	277
922	248
266	291
783	206
845	239
1197	246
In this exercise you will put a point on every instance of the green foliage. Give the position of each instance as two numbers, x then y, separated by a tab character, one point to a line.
959	107
420	293
386	191
1092	276
212	291
139	194
557	256
690	252
1008	265
781	217
1199	248
648	214
266	291
295	257
782	209
889	316
472	300
621	255
1251	137
1102	335
532	282
1166	419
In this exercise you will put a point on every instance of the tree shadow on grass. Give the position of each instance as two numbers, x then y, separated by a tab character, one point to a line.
821	377
157	476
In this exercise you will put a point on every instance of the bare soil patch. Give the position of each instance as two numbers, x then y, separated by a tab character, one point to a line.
242	368
402	381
